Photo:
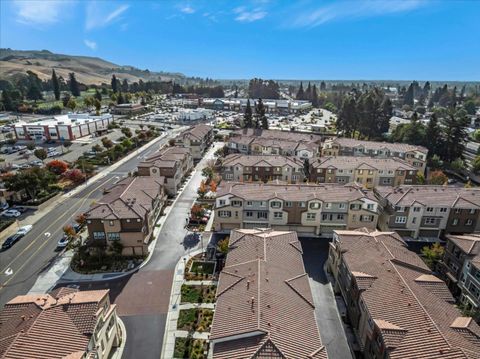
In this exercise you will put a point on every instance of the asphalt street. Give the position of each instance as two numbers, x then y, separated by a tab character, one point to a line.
36	251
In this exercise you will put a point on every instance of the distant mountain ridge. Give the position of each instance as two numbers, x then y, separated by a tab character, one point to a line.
88	70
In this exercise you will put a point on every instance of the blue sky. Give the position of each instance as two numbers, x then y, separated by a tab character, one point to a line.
304	39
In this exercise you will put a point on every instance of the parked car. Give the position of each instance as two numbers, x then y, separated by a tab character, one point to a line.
10	241
53	153
25	229
77	227
25	165
36	163
20	209
11	213
63	242
4	206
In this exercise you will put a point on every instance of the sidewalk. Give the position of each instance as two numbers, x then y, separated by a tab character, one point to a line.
171	331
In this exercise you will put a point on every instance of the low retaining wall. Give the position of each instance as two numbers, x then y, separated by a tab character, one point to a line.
7	232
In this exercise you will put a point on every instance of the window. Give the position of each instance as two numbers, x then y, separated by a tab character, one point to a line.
89	221
275	204
228	176
236	203
430	220
354	206
314	205
288	204
340	216
387	181
98	235
400	219
366	218
399	209
328	205
443	210
416	209
457	210
360	172
311	216
262	215
249	203
454	221
224	214
113	236
302	204
248	214
278	215
221	202
327	217
414	220
370	206
294	177
468	222
342	205
429	209
472	211
110	223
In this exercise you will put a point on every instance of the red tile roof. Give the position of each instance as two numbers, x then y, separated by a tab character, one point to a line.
266	301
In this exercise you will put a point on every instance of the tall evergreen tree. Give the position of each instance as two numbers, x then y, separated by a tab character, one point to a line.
426	88
55	85
433	136
74	88
300	93
455	125
314	96
323	86
124	85
261	118
308	92
113	83
248	116
7	101
409	96
347	117
98	95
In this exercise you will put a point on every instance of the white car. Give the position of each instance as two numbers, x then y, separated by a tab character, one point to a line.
11	213
25	229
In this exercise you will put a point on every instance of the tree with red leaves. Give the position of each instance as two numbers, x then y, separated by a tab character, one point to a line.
57	167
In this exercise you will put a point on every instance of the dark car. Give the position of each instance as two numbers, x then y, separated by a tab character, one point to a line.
10	241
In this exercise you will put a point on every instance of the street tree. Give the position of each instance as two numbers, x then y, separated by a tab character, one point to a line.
248	116
73	84
55	85
40	153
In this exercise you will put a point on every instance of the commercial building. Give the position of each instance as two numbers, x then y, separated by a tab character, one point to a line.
65	323
128	109
461	268
311	210
192	115
414	155
281	107
197	139
246	168
127	213
428	211
366	171
264	307
274	142
63	127
397	308
170	164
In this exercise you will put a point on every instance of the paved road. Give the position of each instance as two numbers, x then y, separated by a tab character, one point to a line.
34	253
315	254
143	297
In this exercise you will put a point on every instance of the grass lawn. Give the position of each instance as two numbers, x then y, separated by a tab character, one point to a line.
202	267
198	294
187	319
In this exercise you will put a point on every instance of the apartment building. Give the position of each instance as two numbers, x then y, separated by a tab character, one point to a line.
366	171
428	211
197	138
246	168
170	163
127	213
395	305
265	308
65	323
461	268
274	142
311	210
414	155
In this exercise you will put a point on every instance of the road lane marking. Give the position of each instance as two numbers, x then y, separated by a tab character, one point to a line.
41	246
47	234
9	271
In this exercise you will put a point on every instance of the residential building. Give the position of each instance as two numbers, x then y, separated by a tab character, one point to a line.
62	127
246	168
128	109
197	138
127	214
65	323
461	268
265	308
274	142
170	163
428	211
396	306
366	171
311	210
414	155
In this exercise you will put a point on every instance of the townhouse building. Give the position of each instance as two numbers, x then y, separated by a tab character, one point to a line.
249	168
414	155
274	142
461	268
310	210
366	171
428	211
264	308
65	323
396	306
197	139
172	164
127	213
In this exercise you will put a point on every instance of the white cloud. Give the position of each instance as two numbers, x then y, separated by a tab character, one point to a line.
31	12
245	15
90	44
187	9
345	10
101	15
